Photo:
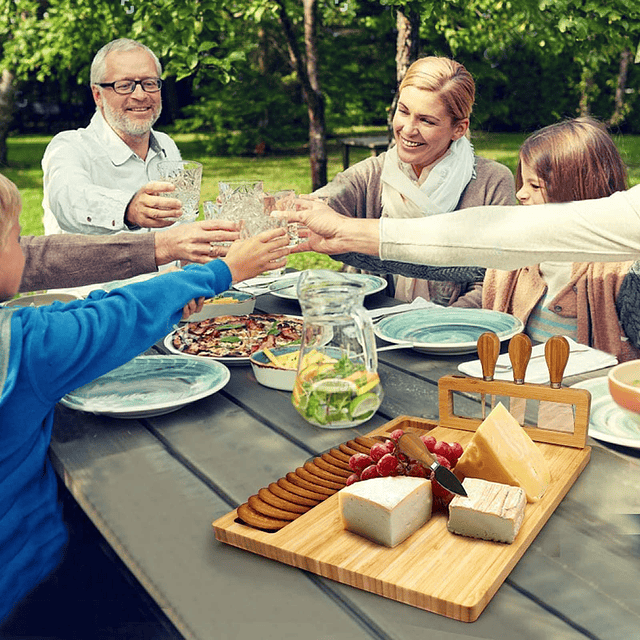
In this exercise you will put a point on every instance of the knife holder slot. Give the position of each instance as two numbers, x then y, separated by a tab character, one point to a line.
579	400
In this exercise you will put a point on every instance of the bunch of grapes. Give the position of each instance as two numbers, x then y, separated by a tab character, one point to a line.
385	459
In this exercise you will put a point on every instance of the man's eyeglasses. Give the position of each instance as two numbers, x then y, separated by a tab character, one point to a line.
150	85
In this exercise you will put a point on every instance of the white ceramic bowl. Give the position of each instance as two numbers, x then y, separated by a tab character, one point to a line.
41	299
229	303
624	387
268	374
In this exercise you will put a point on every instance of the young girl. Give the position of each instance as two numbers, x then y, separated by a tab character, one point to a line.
569	161
47	352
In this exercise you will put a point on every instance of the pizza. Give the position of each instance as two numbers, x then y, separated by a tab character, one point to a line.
237	336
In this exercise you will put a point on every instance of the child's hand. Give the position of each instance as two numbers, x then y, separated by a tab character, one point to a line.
193	306
266	251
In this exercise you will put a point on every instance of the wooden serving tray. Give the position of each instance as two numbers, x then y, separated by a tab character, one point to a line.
433	569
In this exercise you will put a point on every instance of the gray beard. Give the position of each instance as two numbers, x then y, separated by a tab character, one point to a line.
121	122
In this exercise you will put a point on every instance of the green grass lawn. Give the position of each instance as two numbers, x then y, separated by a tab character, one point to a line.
280	170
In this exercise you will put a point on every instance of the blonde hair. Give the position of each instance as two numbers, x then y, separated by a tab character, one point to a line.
10	206
449	79
576	160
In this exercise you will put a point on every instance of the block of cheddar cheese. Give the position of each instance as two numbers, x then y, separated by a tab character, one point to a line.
386	510
502	451
491	511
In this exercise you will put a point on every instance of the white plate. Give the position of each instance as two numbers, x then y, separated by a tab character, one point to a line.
446	330
228	360
286	287
149	386
607	421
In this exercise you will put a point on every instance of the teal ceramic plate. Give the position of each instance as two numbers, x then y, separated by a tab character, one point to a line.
607	421
448	330
285	287
149	386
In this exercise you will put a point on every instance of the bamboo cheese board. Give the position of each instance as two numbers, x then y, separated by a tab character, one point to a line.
296	519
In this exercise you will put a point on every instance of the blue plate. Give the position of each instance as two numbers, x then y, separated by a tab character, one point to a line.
149	386
279	288
607	421
449	330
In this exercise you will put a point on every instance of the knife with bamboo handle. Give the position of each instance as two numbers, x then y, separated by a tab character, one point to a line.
488	350
411	444
519	354
554	415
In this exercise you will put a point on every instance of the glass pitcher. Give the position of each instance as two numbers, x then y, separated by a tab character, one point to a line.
337	383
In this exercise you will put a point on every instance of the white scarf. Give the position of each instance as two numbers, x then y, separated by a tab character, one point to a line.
403	197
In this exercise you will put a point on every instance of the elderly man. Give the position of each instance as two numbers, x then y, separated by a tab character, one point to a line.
100	180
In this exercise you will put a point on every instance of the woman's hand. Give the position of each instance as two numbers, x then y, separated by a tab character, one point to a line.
263	252
328	231
192	242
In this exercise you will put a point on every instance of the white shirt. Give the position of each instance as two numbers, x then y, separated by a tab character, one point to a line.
510	237
90	176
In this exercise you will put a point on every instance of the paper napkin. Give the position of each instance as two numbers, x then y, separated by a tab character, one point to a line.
581	360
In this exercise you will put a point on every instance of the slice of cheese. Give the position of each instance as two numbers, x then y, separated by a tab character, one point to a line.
502	451
386	510
491	511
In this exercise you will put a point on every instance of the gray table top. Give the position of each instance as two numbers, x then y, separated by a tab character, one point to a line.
153	487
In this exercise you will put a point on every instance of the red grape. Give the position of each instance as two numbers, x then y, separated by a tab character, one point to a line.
378	450
456	449
370	472
442	449
396	434
359	461
430	441
388	465
416	470
354	477
443	461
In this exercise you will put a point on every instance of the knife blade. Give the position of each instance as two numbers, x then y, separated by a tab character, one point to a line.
411	445
519	354
554	415
488	350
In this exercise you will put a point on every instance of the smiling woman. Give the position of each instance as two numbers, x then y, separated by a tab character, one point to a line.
432	169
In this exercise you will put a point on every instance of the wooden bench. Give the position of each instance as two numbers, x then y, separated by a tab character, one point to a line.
377	144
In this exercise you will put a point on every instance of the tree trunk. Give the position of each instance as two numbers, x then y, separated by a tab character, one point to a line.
620	108
308	76
407	50
7	103
586	84
315	100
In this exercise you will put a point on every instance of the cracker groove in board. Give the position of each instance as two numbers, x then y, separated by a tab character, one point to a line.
419	571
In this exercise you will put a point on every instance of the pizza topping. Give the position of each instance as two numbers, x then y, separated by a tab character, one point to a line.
237	336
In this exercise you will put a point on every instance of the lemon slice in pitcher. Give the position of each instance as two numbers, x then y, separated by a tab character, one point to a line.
364	404
334	385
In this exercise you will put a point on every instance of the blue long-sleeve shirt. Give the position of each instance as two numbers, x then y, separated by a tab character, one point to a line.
45	353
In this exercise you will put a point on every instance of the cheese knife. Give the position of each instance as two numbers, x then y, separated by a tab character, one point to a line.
488	350
554	415
411	445
519	354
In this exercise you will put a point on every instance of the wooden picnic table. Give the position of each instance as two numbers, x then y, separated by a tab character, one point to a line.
376	144
153	487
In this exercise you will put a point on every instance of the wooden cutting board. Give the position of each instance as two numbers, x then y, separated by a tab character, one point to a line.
433	569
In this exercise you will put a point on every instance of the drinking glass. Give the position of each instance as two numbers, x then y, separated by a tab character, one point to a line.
245	202
186	175
284	200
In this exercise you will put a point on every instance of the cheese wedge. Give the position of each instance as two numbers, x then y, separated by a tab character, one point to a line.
491	511
502	451
386	510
